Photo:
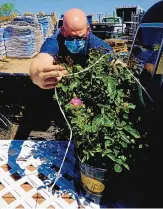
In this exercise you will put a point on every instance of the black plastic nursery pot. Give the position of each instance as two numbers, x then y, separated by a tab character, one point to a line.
93	182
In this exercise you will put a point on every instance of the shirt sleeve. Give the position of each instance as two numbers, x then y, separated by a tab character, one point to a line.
50	46
96	43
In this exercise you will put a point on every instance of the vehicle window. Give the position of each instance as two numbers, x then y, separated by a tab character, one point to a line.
147	45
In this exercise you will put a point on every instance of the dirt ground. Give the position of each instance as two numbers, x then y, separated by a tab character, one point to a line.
15	66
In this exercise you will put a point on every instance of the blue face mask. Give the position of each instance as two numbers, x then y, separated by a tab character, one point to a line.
75	46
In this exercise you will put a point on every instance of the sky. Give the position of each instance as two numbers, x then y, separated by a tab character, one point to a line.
89	6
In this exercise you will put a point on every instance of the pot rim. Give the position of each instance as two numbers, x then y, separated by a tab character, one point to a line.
100	169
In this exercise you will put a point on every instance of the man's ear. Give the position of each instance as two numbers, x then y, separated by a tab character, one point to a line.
88	29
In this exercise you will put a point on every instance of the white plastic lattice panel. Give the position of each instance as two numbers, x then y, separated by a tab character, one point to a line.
28	168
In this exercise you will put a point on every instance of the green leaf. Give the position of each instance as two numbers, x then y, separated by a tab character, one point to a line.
91	153
85	152
107	122
117	168
104	79
84	159
98	150
124	144
119	161
64	88
108	151
116	71
103	154
111	88
116	152
131	106
88	155
97	121
74	120
111	156
107	137
132	131
67	107
126	166
102	111
123	158
78	67
88	128
133	141
85	86
125	116
73	85
124	137
127	110
107	143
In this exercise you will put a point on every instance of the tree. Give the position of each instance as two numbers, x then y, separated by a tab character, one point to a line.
8	9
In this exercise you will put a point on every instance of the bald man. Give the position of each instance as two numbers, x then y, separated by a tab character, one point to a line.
73	40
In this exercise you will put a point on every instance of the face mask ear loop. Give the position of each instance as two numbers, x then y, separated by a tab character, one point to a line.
86	45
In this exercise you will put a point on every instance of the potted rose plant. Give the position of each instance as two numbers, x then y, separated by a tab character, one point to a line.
97	103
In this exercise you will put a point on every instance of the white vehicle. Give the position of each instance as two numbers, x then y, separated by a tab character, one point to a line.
131	15
117	22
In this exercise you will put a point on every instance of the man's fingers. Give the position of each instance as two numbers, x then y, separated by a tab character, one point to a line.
49	77
58	74
51	80
64	72
50	74
49	86
53	68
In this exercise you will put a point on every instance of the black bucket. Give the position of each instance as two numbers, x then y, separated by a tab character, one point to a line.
93	182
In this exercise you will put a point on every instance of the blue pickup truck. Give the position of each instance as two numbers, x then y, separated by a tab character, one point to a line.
147	52
147	47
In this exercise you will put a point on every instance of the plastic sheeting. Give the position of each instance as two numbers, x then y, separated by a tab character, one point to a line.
37	29
28	19
2	44
51	26
20	41
23	37
47	25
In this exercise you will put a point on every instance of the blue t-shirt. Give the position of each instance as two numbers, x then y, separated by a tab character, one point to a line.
55	46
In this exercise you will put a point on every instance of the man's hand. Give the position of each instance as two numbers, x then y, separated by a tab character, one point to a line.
44	73
149	67
48	77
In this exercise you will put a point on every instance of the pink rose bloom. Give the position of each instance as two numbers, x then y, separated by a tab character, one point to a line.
76	102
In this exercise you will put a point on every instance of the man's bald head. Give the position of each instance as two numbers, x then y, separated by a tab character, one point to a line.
75	21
